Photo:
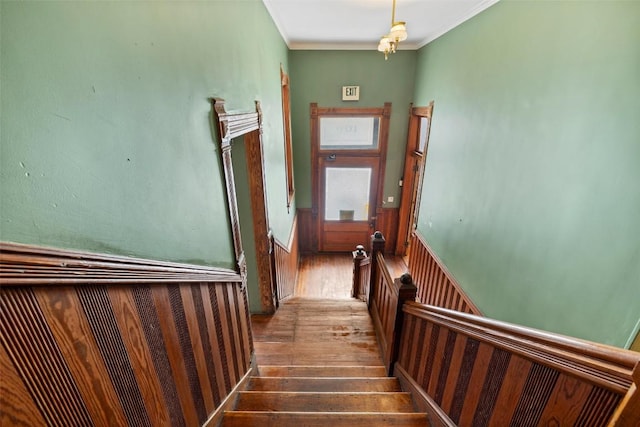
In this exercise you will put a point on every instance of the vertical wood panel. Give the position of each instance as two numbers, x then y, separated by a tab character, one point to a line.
511	390
33	350
476	383
537	390
17	407
454	371
232	318
190	312
566	402
218	382
307	231
220	338
73	335
163	378
180	373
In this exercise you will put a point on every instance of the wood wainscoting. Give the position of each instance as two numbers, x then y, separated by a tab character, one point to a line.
285	259
468	370
436	286
105	340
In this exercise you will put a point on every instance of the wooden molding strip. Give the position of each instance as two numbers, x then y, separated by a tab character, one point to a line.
36	265
229	403
423	402
606	366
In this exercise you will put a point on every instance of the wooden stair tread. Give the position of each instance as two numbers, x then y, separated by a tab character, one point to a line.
326	384
317	419
324	401
321	371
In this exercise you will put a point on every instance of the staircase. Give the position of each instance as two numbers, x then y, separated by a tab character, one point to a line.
319	365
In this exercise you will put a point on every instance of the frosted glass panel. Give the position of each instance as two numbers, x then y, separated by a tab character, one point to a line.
349	133
347	194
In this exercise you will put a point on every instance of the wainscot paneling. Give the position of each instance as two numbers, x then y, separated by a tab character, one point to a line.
472	371
93	339
285	259
307	231
436	286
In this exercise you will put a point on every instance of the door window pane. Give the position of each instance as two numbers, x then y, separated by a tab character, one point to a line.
347	194
341	133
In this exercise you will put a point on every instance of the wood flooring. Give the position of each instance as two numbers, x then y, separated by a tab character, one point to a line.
330	275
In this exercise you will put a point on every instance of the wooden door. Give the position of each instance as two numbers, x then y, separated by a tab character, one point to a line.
416	152
348	188
348	154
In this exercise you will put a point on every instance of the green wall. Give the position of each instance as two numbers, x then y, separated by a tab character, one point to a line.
532	186
106	135
318	76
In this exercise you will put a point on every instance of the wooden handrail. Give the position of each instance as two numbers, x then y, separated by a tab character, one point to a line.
465	369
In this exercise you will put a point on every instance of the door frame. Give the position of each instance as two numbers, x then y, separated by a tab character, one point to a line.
413	176
230	126
384	113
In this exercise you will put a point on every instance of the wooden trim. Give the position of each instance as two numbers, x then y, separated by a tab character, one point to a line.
413	158
605	366
229	403
436	285
288	146
232	125
307	237
260	215
34	265
422	401
379	153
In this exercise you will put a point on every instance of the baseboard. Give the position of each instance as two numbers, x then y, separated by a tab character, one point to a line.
423	402
229	402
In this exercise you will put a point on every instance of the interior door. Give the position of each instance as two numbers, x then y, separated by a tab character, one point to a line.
417	145
348	187
348	153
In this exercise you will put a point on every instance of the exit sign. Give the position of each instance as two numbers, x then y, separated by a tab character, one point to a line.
350	93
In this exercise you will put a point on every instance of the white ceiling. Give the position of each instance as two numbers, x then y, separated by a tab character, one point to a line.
359	24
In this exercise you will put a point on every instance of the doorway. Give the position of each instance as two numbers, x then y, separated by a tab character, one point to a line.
413	177
348	153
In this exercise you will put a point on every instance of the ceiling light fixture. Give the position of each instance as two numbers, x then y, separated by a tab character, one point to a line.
397	33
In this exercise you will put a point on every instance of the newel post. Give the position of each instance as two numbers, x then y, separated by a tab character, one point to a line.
358	255
407	291
377	245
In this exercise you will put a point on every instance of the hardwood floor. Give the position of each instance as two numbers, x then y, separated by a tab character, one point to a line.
325	276
316	332
330	275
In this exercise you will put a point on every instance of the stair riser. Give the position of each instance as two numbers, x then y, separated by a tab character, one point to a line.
324	384
324	402
248	419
